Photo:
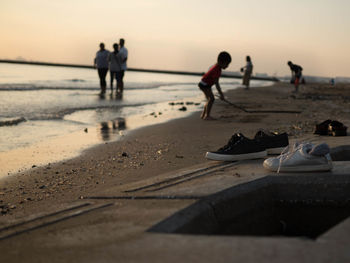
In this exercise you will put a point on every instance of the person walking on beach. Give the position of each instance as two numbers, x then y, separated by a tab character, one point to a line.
101	63
248	70
124	57
209	79
115	62
296	74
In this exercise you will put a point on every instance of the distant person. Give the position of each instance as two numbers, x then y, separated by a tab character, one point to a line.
101	63
296	74
115	61
124	57
248	70
209	79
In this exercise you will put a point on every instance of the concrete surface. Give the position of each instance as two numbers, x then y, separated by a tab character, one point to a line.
113	226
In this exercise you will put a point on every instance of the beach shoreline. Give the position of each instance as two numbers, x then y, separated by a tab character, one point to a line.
170	146
71	145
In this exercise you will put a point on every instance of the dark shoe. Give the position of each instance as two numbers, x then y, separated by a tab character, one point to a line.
336	128
322	128
273	143
238	148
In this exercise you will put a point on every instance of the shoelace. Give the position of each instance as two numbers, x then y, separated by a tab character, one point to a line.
287	152
263	133
233	141
297	146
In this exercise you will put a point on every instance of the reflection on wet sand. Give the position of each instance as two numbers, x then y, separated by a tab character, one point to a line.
71	145
119	96
109	128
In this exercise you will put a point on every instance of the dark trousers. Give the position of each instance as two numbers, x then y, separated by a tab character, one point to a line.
102	73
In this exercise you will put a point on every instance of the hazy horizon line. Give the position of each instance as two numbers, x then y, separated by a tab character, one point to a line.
178	72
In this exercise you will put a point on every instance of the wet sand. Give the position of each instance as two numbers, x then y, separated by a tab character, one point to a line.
157	149
64	147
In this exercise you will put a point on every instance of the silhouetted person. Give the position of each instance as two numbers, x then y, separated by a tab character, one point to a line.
115	62
124	57
296	74
248	70
101	63
209	79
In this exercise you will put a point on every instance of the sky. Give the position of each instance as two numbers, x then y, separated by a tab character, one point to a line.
183	34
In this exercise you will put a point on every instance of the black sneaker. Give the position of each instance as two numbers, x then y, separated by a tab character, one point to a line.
238	148
337	128
322	128
273	143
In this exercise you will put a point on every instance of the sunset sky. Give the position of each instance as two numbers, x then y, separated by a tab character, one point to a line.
183	34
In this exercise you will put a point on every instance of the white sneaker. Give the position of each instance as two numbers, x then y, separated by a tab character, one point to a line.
304	157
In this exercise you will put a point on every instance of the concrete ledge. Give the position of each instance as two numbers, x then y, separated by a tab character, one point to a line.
341	153
198	218
271	206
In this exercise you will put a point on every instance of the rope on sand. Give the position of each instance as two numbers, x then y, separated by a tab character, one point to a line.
259	111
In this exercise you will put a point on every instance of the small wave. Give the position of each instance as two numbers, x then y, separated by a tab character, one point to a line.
11	121
32	88
154	85
76	80
83	85
59	115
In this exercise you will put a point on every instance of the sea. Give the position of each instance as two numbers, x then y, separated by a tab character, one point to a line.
49	113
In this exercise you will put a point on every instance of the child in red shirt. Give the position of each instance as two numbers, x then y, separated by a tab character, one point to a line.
209	79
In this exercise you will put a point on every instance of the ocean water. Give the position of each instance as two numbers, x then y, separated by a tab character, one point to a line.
42	103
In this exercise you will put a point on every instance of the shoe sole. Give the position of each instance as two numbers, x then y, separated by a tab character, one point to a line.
313	168
237	157
275	150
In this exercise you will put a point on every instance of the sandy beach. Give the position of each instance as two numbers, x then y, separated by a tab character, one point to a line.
106	124
157	149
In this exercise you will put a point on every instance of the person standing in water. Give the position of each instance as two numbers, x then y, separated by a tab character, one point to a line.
124	57
101	63
248	70
115	61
